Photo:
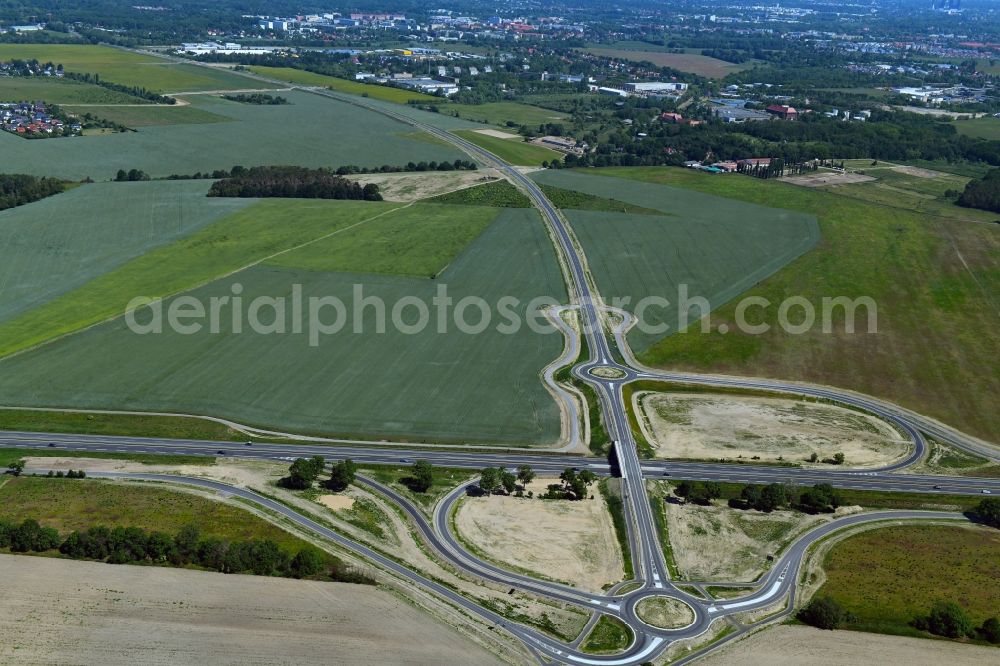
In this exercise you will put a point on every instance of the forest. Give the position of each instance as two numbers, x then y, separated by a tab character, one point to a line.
291	182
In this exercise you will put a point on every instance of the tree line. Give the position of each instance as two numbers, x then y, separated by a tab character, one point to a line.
292	182
188	547
259	99
17	189
821	498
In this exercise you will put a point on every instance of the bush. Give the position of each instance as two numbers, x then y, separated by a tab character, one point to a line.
988	511
946	619
823	613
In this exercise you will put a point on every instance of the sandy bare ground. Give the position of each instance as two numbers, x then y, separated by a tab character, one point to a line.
497	134
794	645
706	426
336	502
572	542
822	178
64	612
717	543
409	187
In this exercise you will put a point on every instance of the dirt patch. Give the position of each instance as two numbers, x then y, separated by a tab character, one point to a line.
58	611
497	134
413	186
664	612
336	502
790	645
713	427
572	542
723	544
823	178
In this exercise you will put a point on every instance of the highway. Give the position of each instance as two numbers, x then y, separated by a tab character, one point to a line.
651	571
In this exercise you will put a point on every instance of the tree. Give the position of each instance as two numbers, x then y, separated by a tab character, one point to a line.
121	176
946	619
303	471
988	511
772	496
838	458
489	480
186	544
307	562
507	480
16	467
423	476
990	630
823	613
525	474
342	474
819	498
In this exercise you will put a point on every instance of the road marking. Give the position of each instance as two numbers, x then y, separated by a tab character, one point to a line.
770	593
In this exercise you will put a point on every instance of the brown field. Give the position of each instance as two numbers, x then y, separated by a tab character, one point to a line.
568	541
63	612
684	62
793	645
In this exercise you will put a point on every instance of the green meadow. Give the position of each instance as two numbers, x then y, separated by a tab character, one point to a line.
872	575
304	78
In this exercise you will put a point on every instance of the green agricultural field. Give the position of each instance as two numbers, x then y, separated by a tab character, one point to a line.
127	68
717	247
76	504
934	279
980	128
230	244
384	93
500	113
150	114
61	243
59	91
889	576
408	385
312	131
417	241
573	199
514	151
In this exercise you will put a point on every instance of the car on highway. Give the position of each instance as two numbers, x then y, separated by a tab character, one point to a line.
248	443
220	452
987	492
52	444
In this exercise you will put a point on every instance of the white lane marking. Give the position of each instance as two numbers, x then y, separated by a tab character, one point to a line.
614	606
770	593
712	609
653	645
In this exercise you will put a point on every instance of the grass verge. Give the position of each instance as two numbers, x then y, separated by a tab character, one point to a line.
609	635
617	510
